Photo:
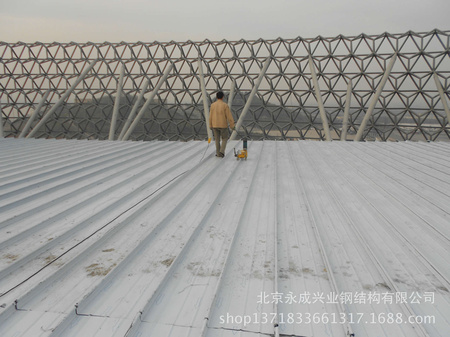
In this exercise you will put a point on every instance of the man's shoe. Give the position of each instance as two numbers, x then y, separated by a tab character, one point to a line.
221	154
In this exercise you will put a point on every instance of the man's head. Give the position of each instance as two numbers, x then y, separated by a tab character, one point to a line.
220	95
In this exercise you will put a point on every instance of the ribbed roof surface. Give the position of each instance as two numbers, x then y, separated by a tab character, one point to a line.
102	238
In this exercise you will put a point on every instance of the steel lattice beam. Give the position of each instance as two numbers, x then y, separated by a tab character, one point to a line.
409	107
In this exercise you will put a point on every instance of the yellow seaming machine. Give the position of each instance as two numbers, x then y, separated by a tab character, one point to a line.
241	154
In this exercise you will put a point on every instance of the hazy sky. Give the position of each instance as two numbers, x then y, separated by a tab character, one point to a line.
181	20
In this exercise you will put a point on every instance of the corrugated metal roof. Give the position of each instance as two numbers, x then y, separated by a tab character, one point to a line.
102	238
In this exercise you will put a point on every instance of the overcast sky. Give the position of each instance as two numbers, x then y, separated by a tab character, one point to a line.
182	20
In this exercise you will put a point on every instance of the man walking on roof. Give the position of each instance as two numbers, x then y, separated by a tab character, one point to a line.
219	118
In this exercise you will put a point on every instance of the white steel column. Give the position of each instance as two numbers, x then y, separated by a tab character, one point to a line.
112	129
375	98
250	98
323	115
34	114
346	111
205	99
2	134
147	103
133	111
62	99
443	96
231	95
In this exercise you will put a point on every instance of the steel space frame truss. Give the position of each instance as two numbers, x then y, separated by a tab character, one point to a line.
348	81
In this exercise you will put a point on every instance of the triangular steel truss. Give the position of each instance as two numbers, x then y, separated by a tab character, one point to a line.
410	106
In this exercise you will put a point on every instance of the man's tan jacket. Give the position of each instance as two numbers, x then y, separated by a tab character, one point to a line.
220	115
